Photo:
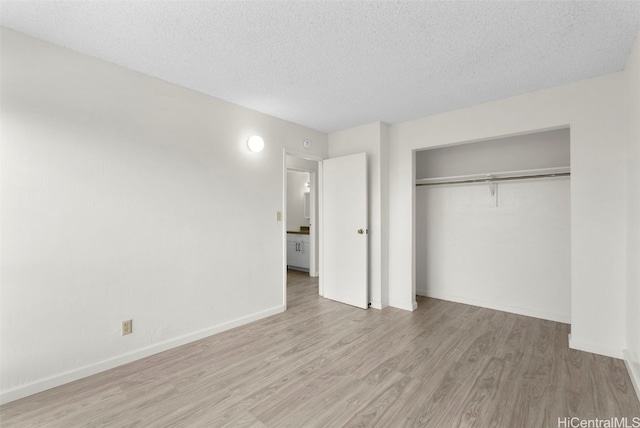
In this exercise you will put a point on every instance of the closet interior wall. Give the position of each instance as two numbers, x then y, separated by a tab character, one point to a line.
503	245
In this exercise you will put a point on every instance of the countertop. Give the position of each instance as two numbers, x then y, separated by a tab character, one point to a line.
304	230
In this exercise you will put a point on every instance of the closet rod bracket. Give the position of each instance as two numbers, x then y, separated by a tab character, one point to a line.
493	188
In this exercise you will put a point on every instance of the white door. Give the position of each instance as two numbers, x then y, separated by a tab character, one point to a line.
344	244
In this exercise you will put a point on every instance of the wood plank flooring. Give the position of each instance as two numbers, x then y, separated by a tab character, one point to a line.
324	364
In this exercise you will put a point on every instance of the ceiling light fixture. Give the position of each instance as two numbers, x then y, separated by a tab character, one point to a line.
255	143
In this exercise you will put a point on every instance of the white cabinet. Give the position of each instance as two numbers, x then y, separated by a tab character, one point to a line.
298	251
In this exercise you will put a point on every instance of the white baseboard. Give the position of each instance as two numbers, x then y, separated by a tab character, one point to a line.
70	376
405	305
595	348
633	366
375	304
566	319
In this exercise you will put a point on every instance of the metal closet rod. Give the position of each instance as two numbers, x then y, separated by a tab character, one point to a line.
490	179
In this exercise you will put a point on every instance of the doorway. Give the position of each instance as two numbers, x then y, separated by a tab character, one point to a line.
342	265
300	223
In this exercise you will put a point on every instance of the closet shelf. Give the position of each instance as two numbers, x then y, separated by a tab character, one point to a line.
496	176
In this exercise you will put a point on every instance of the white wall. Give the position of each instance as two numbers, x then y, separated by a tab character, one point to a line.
125	197
515	257
371	139
548	149
295	199
633	215
595	111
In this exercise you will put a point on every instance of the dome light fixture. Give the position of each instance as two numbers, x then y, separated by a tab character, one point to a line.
255	143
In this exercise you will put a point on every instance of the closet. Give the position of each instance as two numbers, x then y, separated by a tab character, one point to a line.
493	224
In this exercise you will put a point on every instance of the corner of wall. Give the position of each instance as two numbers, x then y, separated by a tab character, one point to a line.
384	190
633	367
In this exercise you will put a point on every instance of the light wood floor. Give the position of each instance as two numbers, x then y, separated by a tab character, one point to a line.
323	364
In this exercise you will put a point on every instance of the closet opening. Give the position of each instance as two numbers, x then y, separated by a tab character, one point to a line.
493	224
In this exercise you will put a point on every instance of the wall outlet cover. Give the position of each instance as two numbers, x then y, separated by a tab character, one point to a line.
127	327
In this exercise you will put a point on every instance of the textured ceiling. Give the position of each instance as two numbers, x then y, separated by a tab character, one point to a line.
335	65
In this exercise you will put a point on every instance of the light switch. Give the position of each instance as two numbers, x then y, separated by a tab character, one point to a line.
278	216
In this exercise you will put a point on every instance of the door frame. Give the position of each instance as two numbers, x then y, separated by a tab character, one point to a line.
315	239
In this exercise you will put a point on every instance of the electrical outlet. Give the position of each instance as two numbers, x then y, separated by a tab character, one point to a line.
127	327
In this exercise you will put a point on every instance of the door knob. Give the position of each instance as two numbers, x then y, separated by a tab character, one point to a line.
360	231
